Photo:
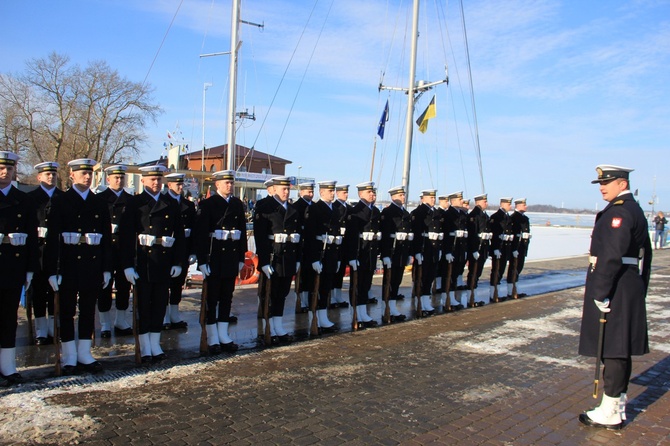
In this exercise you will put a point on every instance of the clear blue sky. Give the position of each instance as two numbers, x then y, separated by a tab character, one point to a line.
560	86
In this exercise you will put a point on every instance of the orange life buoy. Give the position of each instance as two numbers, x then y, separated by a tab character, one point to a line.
249	273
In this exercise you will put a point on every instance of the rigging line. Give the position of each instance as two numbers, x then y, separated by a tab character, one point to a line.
460	150
281	81
472	98
174	17
304	74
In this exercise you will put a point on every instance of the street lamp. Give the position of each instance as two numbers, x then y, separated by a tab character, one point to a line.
204	99
298	179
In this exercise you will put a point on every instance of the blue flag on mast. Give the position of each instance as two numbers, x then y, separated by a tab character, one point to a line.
382	121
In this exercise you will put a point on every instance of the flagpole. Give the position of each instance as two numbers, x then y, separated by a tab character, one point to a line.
409	121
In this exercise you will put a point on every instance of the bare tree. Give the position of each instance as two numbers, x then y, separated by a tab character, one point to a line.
56	111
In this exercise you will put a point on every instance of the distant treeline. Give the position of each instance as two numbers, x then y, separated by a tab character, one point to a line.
555	210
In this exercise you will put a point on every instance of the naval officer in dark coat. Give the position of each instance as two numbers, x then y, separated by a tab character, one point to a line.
78	259
18	262
41	292
152	244
116	198
342	208
519	247
616	288
479	240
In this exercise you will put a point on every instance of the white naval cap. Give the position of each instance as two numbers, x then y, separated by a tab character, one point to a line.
8	158
458	194
327	184
520	201
82	164
48	166
506	200
397	190
429	192
157	170
342	188
309	185
117	169
175	177
368	185
224	175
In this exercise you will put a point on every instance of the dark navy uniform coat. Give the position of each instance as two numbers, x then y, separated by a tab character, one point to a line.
271	218
621	230
17	214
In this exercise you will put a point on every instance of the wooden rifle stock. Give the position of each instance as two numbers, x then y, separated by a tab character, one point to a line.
601	340
447	286
353	293
417	287
136	327
386	291
314	329
496	279
29	314
267	336
298	302
515	294
204	347
57	341
473	282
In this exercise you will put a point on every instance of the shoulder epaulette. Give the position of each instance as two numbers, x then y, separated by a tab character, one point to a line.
617	202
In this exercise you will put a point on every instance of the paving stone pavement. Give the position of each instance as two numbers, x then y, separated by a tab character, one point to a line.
502	374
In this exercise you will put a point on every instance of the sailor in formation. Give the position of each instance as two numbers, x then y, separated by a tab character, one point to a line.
306	276
342	208
501	229
278	232
40	291
321	251
221	243
519	247
175	190
425	248
152	238
18	261
362	244
78	260
395	244
116	198
440	214
479	240
455	247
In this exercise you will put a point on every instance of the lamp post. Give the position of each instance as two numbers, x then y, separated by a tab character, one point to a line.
204	100
298	179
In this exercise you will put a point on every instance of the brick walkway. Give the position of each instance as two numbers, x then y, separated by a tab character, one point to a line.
500	374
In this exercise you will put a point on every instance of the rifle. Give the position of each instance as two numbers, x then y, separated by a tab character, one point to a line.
353	291
416	291
447	287
473	282
204	348
136	318
267	337
515	295
57	341
29	314
386	291
314	329
601	340
496	279
298	302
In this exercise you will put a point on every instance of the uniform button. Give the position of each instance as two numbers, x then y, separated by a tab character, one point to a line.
150	227
78	257
94	257
148	251
18	255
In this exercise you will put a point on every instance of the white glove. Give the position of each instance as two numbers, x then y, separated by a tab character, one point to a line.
603	306
131	275
419	258
475	255
353	264
204	269
192	259
515	254
106	277
317	266
240	266
497	253
54	281
449	257
175	271
297	266
267	269
387	262
29	279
